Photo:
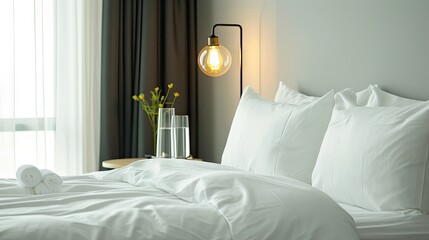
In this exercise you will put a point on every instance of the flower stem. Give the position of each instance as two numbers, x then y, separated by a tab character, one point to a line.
166	96
174	100
154	140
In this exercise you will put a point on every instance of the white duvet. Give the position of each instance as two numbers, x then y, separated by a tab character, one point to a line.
173	199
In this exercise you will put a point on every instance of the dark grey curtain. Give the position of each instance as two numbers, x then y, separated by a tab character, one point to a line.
145	43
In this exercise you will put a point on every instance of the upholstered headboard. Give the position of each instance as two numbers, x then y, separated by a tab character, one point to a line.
333	44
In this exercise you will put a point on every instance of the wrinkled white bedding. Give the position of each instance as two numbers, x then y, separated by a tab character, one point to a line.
173	199
408	224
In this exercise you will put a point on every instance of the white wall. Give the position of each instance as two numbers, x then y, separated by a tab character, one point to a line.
218	97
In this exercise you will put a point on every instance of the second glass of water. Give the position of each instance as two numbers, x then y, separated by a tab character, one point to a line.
181	132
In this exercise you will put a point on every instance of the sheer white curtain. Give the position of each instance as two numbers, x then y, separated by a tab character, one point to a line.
49	85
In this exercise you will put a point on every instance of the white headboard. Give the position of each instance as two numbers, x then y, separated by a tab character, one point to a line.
334	44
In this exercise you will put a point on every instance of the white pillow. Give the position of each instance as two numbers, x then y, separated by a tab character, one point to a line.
363	96
375	157
286	94
277	139
379	97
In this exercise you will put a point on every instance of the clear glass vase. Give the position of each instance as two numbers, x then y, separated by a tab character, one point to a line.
165	144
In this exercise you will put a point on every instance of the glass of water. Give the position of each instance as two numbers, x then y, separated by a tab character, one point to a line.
181	132
165	141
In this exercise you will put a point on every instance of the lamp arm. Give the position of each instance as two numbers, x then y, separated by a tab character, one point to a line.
241	47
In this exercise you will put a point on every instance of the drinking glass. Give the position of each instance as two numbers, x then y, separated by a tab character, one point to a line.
165	142
181	132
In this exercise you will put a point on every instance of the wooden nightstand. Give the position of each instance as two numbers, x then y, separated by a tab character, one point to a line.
121	162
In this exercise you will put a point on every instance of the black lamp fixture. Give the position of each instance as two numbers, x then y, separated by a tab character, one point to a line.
214	60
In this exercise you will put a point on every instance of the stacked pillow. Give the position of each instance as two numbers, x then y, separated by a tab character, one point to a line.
376	156
268	137
379	98
363	96
288	95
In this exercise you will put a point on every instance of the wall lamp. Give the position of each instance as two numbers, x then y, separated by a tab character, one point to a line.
214	60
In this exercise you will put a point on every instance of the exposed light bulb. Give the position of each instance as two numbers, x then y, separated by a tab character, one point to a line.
214	58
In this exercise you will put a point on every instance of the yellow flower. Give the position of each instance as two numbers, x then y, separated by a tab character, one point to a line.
153	102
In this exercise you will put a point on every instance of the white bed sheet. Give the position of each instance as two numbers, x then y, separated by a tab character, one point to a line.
91	209
404	225
173	199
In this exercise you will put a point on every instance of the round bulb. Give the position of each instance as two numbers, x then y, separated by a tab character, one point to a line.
214	60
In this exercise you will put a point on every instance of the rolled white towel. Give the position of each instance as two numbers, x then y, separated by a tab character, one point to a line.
42	188
52	180
28	175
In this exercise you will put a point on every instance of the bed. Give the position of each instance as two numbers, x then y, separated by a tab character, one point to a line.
358	159
409	224
173	199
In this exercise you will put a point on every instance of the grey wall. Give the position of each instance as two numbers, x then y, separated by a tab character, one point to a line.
315	46
352	43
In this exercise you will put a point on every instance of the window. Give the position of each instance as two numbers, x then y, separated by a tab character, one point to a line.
36	68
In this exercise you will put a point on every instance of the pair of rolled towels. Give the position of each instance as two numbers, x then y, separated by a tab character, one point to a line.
42	181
